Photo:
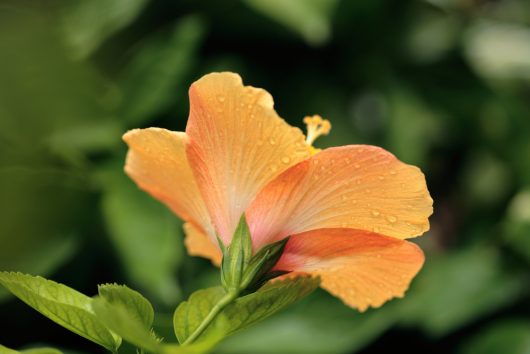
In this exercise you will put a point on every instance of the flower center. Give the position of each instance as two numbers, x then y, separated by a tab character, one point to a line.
316	127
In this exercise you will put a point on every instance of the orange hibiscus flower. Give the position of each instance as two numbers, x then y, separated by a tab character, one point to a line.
347	210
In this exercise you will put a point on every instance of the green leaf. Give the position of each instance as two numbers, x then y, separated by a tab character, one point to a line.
122	318
5	350
53	201
189	314
146	234
242	312
443	299
517	223
414	125
269	299
67	97
507	337
311	19
136	305
63	305
151	80
318	324
237	256
87	23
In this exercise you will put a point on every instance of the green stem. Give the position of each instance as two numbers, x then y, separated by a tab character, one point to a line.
225	300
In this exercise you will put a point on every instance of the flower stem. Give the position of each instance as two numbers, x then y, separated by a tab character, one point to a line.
230	296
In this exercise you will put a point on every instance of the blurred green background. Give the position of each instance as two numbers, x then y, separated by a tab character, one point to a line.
443	84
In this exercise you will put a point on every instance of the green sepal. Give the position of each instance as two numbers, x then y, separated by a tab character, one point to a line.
237	256
260	265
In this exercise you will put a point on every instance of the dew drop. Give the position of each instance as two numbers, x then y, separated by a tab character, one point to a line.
357	165
393	172
375	213
391	219
273	168
272	141
286	159
221	98
344	197
381	178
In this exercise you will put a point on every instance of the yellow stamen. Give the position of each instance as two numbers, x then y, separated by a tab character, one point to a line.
316	127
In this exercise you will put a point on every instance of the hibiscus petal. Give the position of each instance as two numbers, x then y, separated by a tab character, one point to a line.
199	244
357	186
361	268
157	162
237	145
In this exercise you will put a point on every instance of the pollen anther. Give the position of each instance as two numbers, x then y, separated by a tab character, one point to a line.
316	127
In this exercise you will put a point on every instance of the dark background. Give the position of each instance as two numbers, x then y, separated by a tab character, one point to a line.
443	84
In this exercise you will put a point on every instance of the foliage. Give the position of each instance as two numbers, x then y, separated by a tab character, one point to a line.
441	83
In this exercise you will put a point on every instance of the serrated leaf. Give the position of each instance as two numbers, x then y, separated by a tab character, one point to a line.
158	69
300	330
30	351
87	23
189	314
244	311
136	305
5	350
123	319
268	300
63	305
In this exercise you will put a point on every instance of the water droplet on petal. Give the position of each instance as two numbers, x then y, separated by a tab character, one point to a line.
357	165
393	173
272	141
286	159
375	213
391	219
221	98
381	178
273	168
